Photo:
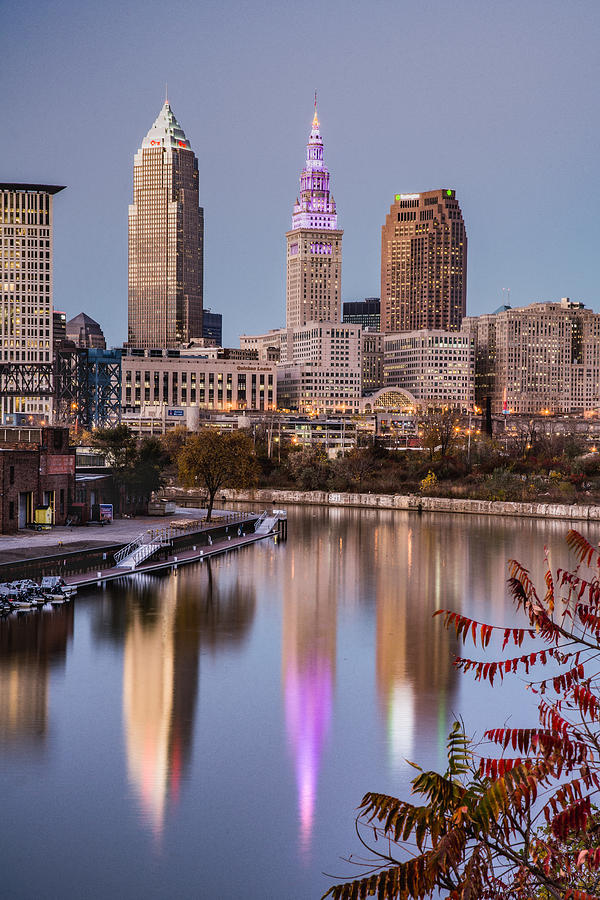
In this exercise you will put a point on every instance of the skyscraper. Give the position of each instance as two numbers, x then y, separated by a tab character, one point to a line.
166	235
423	263
314	244
26	287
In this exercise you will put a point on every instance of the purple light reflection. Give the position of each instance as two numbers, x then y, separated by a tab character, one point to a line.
308	704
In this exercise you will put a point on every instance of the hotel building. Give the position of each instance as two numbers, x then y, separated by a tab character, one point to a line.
423	263
436	367
166	233
26	320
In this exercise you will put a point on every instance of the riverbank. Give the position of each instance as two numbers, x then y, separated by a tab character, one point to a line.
414	502
69	550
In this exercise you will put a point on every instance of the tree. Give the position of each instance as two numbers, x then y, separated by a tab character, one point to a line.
119	445
173	440
309	468
357	466
146	476
213	460
521	824
440	430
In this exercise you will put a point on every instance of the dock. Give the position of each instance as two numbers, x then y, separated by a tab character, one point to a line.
266	526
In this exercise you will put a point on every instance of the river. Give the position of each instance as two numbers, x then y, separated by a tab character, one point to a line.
209	733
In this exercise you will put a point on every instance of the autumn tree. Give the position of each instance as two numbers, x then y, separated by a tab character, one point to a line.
212	460
515	818
309	468
439	429
173	440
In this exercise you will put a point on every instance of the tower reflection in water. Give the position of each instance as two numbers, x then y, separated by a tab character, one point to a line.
30	646
168	621
418	571
308	663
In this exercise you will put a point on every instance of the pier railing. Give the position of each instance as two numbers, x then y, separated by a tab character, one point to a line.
153	539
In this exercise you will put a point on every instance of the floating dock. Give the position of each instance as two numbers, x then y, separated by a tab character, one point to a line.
267	525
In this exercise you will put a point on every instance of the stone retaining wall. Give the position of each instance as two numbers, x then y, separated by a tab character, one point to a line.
572	512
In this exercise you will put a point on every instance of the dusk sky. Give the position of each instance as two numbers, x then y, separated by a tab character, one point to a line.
496	100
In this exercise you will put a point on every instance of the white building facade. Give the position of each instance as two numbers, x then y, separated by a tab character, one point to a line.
436	367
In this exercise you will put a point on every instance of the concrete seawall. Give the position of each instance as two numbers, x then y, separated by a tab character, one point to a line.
571	512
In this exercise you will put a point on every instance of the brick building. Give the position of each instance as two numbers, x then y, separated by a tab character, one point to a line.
37	468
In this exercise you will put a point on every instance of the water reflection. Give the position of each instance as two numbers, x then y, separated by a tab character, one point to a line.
310	598
176	684
168	621
30	646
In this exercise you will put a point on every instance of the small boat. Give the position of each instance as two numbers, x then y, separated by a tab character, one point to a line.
54	589
21	606
26	590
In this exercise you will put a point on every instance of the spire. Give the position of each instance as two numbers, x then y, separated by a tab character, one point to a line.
166	131
316	207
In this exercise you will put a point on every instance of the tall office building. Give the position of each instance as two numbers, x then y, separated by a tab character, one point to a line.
423	263
166	234
26	320
85	332
363	312
314	244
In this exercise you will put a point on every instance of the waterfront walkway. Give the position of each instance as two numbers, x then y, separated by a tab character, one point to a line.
68	539
181	558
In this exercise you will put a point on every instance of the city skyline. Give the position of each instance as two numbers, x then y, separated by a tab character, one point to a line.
502	114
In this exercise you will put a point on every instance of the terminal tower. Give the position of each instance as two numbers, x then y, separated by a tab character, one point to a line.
314	244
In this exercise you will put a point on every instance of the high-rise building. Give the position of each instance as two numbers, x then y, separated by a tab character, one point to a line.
166	233
423	263
85	332
314	244
212	327
362	312
26	323
59	329
320	368
542	358
372	343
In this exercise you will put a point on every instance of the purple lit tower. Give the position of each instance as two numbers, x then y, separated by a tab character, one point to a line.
314	245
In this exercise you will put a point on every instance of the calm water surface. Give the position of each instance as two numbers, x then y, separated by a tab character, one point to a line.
209	733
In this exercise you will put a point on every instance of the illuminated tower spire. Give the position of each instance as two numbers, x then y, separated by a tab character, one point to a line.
314	252
316	206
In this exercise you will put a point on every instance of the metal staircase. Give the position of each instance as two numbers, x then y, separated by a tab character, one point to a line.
142	548
266	522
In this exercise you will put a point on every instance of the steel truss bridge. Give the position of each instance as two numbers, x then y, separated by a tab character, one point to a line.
85	385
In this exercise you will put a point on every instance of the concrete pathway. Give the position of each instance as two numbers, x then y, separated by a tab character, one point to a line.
33	544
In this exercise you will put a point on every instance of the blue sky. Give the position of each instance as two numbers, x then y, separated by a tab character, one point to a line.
497	100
